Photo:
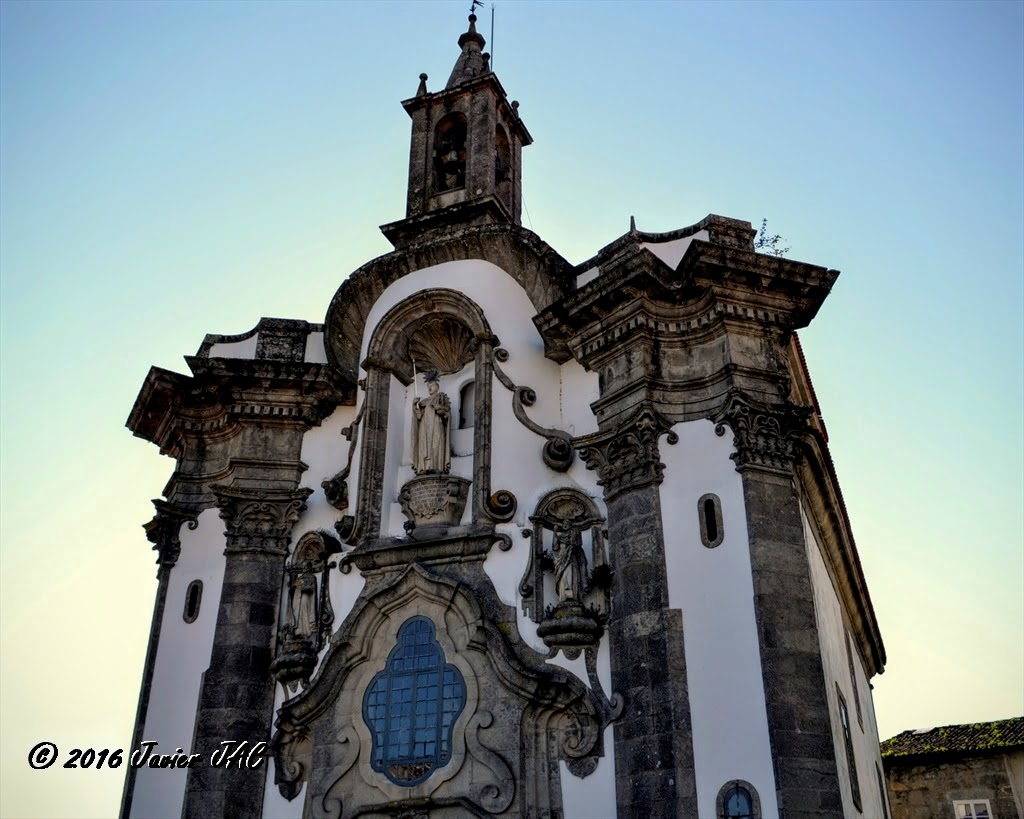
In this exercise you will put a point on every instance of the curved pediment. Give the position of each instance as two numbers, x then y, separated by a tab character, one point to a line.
542	273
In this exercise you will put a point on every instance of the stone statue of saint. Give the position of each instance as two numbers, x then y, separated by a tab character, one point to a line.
570	564
431	421
303	604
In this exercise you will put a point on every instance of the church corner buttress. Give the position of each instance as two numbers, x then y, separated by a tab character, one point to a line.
509	537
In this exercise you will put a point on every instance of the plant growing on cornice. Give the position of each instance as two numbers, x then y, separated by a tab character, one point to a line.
768	243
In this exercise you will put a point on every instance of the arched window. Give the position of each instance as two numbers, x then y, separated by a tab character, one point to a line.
411	706
450	153
502	163
709	510
467	404
738	800
193	596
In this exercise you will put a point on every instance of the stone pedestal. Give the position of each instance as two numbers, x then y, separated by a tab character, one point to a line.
433	504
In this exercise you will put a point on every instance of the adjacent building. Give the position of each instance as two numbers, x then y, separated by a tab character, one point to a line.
508	536
957	771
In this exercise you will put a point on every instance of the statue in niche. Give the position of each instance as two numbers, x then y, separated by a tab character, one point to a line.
570	563
431	426
303	606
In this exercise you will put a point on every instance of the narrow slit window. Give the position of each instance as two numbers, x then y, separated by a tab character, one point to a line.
193	597
709	511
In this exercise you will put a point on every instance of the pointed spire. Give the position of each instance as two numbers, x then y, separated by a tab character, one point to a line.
471	63
422	90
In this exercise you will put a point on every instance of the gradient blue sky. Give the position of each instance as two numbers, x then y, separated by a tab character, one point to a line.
173	169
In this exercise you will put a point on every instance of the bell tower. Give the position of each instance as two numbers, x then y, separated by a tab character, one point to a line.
465	156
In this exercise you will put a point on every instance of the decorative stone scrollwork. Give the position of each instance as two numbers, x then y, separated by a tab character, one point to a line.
259	520
557	451
308	615
765	437
336	487
627	457
568	547
163	531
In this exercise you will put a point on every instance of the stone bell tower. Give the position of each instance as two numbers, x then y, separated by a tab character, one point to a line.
465	157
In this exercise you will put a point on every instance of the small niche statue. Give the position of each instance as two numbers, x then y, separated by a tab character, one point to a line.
303	604
431	424
570	563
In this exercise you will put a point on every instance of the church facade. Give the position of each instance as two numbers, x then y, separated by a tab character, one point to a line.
509	537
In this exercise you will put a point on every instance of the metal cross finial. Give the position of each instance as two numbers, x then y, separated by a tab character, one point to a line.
473	5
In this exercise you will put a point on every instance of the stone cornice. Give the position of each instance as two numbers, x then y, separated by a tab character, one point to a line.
259	520
765	437
823	500
713	285
224	392
626	456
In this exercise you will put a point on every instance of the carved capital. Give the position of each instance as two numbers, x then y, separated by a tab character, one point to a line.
765	437
259	520
163	530
627	457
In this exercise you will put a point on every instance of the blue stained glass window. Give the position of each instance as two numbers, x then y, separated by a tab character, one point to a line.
411	706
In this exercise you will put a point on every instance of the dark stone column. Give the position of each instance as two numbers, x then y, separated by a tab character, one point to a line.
795	690
236	701
163	531
654	775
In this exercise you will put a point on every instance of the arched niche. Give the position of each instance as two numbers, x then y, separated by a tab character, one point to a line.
450	331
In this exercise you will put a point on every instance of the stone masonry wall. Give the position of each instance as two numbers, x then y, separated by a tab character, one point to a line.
926	789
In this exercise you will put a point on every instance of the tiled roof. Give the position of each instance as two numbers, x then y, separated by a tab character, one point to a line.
979	736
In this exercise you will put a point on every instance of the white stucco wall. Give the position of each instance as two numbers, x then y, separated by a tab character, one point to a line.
714	590
672	252
831	636
246	348
183	655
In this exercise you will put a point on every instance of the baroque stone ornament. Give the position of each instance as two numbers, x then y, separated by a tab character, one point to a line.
259	520
433	503
508	720
336	487
164	529
567	544
765	437
308	616
627	457
557	451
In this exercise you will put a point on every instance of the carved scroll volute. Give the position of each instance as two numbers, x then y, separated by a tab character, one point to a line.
163	531
766	438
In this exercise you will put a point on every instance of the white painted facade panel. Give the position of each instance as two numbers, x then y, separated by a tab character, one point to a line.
835	664
714	590
183	655
246	348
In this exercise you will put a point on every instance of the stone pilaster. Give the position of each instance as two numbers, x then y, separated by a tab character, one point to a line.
806	774
236	701
654	773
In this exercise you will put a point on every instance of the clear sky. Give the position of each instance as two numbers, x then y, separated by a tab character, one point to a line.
173	169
